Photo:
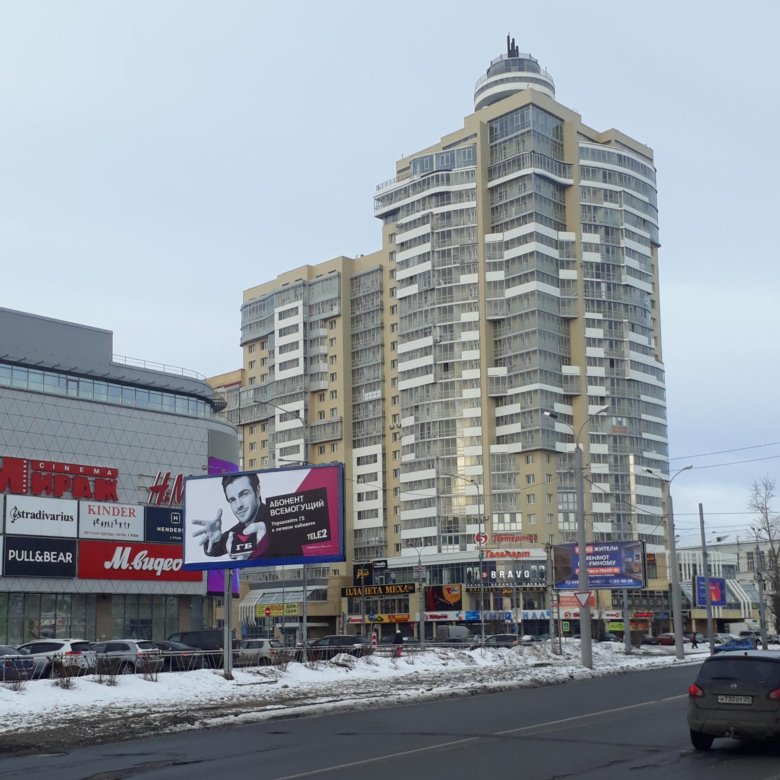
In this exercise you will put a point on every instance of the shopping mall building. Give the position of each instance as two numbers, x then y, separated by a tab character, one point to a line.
94	449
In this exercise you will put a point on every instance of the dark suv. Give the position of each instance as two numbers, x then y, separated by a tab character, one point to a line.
735	695
210	640
327	647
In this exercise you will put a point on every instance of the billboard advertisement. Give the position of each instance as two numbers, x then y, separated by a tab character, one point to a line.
110	521
25	556
33	516
611	565
133	561
264	518
717	591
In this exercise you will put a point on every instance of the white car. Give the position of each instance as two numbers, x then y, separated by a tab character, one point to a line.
69	652
260	652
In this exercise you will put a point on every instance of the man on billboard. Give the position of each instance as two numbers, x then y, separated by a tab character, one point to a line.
249	537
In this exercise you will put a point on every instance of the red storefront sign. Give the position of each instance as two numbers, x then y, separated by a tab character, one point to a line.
58	480
166	490
122	560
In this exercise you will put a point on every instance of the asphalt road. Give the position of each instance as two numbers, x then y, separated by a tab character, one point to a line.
630	725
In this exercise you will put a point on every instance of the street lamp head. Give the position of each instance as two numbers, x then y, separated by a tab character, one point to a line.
551	415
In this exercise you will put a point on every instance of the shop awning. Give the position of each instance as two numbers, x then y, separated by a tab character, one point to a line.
264	596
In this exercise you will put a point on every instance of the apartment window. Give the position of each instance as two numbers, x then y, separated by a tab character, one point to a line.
251	380
321	449
365	460
250	349
287	313
334	413
263	344
332	342
334	394
548	479
252	430
252	446
529	459
548	459
392	270
549	498
394	346
530	479
396	400
530	499
396	419
394	309
396	454
264	461
331	324
263	427
531	519
392	292
334	447
264	444
251	365
550	519
396	473
396	491
321	414
396	436
252	463
394	327
264	361
394	381
333	359
397	528
322	397
333	377
393	363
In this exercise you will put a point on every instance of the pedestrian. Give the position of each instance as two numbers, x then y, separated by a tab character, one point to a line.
398	642
694	642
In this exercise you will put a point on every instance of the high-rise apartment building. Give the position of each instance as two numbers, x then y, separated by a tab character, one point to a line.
512	312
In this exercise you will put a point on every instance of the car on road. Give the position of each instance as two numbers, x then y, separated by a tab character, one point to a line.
260	652
736	644
179	657
128	656
53	655
667	639
15	665
327	647
735	695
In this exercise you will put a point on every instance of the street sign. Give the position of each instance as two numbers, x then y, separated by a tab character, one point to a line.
583	598
267	611
481	538
371	617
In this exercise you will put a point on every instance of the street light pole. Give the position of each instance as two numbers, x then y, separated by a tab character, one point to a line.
480	495
583	582
679	650
420	577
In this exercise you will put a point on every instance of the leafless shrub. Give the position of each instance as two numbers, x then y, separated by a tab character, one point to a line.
63	670
18	685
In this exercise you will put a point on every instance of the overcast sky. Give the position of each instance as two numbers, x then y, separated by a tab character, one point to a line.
157	158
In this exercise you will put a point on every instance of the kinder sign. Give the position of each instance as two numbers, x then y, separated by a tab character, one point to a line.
58	480
28	516
110	521
133	561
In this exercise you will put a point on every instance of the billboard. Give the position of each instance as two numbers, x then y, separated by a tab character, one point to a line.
264	518
717	591
611	565
163	524
33	516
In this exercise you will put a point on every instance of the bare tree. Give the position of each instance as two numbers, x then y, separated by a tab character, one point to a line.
767	532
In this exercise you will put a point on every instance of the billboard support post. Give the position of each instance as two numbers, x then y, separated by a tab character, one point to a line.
227	639
706	567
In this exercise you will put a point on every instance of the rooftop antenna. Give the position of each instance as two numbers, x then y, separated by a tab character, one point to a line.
511	47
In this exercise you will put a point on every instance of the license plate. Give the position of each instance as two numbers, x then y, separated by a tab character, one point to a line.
735	699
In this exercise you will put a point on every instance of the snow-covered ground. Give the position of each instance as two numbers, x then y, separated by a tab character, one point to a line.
42	713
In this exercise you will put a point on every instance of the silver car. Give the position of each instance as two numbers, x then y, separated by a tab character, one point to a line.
735	695
260	652
128	656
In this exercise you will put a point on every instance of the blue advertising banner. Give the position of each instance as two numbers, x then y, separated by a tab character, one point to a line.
163	524
611	565
717	591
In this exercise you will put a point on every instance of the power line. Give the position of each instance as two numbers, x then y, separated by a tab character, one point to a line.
723	452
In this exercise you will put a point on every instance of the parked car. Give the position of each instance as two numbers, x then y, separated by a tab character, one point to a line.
128	656
735	695
210	640
327	647
178	657
502	640
260	652
609	638
649	639
668	639
15	665
75	654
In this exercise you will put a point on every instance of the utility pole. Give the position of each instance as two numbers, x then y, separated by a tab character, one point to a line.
706	566
761	606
